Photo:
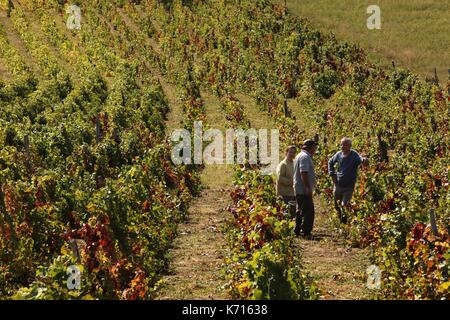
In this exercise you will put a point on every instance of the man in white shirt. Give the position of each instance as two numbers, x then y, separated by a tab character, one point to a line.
304	184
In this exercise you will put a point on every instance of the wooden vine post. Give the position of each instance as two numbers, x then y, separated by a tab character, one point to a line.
26	144
448	86
287	114
436	79
10	7
97	129
433	222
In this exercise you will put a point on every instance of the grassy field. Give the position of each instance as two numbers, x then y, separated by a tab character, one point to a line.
414	33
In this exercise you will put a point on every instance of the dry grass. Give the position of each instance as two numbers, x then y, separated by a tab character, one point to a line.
216	175
414	33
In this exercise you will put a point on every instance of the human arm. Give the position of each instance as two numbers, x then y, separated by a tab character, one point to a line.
283	178
305	180
331	168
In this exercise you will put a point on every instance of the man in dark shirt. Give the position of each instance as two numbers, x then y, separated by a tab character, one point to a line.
348	162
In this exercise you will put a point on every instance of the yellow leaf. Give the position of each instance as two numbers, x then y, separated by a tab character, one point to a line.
444	287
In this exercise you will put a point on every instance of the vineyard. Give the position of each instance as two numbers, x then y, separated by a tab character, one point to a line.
87	179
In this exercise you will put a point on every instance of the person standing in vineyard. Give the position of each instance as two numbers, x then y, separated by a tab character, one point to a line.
285	176
304	184
348	162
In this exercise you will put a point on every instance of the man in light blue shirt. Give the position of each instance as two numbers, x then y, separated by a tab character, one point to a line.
348	162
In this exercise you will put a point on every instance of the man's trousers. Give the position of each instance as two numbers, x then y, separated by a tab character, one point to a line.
304	219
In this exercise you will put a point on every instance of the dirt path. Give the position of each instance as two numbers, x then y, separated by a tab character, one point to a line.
197	253
338	269
4	74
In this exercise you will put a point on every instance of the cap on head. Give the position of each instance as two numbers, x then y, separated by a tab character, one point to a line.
308	143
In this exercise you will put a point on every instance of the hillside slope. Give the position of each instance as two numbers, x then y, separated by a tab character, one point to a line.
87	182
413	33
